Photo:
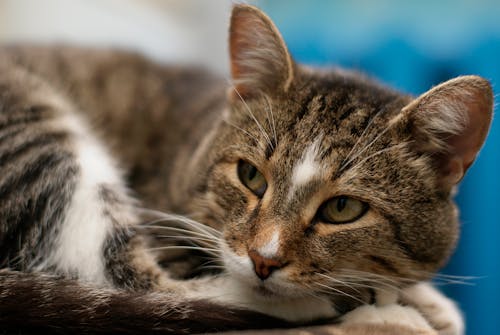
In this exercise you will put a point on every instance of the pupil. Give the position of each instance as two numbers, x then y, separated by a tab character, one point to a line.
341	204
252	172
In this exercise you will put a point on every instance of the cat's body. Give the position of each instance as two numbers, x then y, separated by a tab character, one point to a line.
258	164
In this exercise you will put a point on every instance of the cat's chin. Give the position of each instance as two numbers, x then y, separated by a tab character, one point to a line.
276	296
275	287
278	300
267	293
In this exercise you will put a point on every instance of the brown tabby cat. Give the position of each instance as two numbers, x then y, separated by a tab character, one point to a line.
318	194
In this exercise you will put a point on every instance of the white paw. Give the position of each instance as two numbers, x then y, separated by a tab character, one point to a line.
441	312
391	314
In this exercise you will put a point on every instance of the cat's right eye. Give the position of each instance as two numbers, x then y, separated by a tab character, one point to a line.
252	178
342	209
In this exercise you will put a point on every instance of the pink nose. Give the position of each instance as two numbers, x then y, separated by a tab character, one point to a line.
263	266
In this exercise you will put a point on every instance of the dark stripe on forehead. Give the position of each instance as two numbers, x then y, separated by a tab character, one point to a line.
346	112
321	103
341	105
303	106
270	149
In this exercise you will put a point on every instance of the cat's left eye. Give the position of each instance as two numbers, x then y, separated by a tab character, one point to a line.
252	178
342	209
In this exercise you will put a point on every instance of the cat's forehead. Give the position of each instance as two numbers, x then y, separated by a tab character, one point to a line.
331	111
338	94
316	124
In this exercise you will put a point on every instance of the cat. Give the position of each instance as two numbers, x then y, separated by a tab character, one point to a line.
317	194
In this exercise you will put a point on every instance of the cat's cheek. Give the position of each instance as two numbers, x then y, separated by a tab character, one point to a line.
236	265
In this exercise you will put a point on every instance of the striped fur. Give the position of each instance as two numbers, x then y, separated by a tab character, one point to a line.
85	133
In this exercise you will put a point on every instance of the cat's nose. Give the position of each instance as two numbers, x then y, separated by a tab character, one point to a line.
263	266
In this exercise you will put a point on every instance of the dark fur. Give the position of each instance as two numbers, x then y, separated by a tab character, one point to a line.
37	303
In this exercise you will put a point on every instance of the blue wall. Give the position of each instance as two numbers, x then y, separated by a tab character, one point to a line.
413	45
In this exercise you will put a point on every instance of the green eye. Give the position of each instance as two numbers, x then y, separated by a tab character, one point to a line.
342	210
252	178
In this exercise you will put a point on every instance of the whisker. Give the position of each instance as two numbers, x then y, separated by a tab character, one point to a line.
181	230
189	238
366	147
368	126
355	276
314	295
243	130
208	267
341	282
180	247
451	282
182	219
444	279
340	292
273	123
370	274
375	285
266	136
213	261
399	145
363	275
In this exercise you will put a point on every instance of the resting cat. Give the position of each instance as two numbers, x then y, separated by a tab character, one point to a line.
322	194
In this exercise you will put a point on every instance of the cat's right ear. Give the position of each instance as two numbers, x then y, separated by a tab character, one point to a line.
260	61
449	123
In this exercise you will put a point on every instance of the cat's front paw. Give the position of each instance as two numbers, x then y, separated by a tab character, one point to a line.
441	312
389	315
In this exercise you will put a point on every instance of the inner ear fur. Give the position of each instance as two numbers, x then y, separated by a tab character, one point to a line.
450	123
260	61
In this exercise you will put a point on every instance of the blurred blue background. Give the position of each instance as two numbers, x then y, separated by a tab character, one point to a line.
413	45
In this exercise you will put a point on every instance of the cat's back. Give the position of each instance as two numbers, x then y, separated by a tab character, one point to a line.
115	83
143	111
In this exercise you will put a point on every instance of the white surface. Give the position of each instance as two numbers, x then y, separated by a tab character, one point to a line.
168	30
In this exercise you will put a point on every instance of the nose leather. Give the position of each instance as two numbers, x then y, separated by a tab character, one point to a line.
263	266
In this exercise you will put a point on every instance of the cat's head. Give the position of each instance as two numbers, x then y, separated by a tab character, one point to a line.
324	180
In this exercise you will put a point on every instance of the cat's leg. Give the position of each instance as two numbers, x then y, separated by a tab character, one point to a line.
64	206
393	315
419	306
441	312
230	291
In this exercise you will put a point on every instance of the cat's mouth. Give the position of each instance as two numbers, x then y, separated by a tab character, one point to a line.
275	289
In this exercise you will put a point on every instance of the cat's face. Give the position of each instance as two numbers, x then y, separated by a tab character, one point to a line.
319	183
325	181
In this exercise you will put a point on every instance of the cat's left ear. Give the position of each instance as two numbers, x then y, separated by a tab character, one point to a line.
450	123
260	61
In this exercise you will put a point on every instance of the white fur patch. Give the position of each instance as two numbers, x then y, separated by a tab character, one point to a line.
307	168
386	297
389	314
441	312
238	288
79	245
271	248
232	291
